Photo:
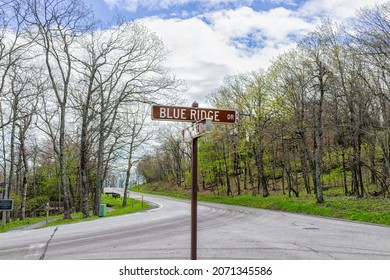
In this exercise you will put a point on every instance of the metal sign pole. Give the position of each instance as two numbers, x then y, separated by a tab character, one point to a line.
194	199
201	119
3	213
194	195
5	206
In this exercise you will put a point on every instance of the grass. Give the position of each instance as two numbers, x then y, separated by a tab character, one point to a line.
114	205
370	210
21	223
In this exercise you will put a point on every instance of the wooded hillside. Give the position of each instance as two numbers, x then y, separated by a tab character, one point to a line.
74	111
72	102
316	122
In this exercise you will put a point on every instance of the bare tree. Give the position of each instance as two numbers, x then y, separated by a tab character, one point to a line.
12	48
136	136
54	27
315	45
369	42
133	73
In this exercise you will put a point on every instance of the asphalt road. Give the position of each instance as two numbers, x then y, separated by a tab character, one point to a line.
224	232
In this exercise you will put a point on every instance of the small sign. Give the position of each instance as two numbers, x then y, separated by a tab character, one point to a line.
6	204
191	114
197	129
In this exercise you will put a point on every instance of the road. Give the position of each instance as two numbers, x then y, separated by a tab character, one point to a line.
224	232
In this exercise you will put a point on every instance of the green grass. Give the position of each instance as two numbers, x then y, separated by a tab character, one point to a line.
20	223
370	210
112	203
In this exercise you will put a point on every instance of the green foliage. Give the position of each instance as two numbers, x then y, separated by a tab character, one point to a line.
36	202
161	190
46	181
349	208
115	209
334	177
20	223
118	209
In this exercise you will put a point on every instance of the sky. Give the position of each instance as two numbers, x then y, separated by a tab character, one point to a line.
209	40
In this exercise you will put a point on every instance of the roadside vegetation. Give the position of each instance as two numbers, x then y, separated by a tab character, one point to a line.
312	132
73	104
114	208
373	210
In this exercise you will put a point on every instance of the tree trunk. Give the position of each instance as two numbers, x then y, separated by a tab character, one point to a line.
225	160
344	173
127	182
100	166
261	180
25	172
129	166
63	176
84	157
318	138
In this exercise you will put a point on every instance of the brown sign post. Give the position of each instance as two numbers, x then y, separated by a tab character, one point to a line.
196	116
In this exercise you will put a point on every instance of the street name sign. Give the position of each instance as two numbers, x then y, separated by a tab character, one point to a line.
6	204
192	114
201	119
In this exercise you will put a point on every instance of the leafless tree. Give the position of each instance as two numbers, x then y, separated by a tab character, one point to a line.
54	25
135	136
315	45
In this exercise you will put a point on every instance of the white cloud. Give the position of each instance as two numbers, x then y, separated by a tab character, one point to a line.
198	55
112	3
338	10
211	45
208	47
275	24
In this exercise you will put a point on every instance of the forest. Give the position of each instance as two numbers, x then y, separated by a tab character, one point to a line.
316	122
75	96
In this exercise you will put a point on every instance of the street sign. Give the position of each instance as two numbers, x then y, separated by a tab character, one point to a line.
6	204
192	114
197	129
201	119
47	207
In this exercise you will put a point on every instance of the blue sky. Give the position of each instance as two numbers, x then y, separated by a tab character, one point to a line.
134	9
211	39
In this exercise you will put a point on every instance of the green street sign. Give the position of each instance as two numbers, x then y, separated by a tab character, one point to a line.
6	204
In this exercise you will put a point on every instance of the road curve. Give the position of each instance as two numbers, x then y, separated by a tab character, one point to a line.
224	232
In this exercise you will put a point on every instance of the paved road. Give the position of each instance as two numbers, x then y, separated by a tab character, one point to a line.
225	232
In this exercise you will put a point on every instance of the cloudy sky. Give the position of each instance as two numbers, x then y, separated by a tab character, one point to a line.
211	39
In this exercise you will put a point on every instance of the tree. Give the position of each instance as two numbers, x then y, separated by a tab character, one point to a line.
233	93
291	84
23	100
369	41
137	136
123	66
249	93
54	26
314	45
13	54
